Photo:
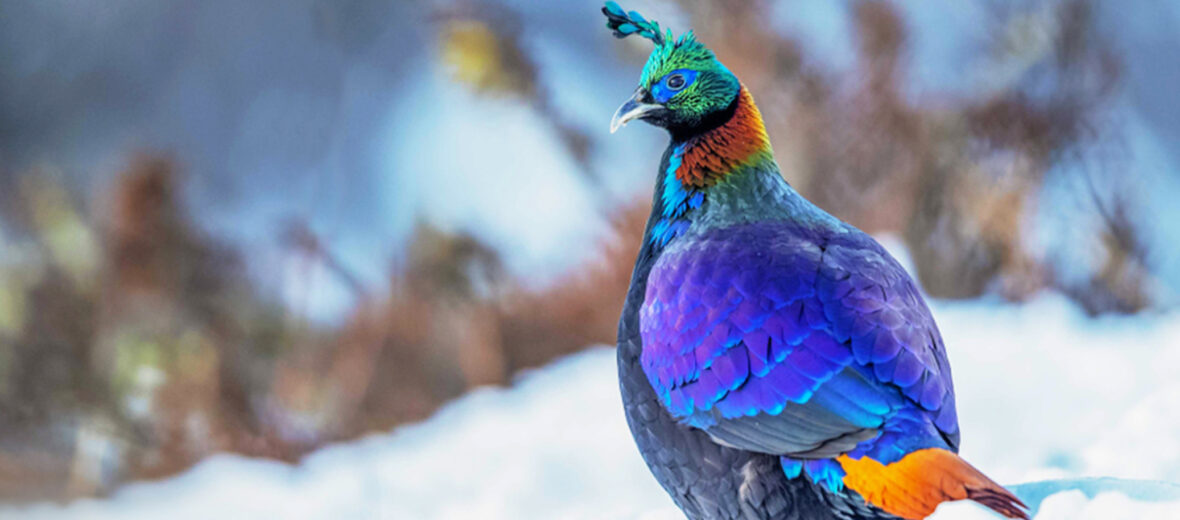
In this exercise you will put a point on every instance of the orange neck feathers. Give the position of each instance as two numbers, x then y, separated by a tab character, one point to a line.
737	143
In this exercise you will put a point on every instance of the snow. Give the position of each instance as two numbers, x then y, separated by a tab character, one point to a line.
1046	396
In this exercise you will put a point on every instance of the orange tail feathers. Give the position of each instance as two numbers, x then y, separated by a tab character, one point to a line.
914	486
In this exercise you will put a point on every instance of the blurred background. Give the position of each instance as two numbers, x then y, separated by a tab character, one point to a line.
262	227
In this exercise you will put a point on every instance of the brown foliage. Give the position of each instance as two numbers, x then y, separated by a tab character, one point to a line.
583	307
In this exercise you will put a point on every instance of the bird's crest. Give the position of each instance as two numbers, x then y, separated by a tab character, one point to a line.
670	52
625	24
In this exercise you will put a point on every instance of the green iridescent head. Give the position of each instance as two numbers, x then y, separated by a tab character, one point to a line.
683	87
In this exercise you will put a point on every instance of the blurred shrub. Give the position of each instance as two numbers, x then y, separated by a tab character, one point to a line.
134	346
481	46
133	329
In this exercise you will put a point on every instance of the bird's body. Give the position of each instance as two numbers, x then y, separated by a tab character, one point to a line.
707	479
774	361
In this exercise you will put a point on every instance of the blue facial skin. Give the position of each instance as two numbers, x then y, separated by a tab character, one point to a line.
662	91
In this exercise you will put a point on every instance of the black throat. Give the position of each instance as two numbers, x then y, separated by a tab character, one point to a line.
682	133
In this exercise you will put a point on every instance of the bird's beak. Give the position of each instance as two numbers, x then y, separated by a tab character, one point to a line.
634	108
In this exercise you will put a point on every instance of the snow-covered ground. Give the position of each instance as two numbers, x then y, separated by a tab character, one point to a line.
1044	393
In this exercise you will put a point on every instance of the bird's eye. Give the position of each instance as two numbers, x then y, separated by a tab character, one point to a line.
675	81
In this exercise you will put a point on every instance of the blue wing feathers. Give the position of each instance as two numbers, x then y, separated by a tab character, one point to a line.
886	347
770	342
908	370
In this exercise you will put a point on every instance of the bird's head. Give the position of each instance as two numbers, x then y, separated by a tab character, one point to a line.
683	87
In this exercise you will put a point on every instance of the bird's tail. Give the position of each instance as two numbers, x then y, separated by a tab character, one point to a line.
914	486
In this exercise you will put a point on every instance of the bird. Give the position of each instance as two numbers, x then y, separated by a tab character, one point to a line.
774	361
